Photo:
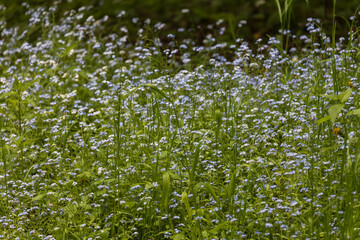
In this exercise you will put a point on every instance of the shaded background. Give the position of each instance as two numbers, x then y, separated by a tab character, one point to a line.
261	15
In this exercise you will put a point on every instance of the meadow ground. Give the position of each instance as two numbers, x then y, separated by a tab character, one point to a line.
107	137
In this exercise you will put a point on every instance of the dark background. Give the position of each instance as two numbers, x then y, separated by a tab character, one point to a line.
261	15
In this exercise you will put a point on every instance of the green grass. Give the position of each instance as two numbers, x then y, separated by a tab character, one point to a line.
103	138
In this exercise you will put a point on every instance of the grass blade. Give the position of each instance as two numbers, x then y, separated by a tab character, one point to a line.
324	119
166	190
212	192
185	200
231	188
195	161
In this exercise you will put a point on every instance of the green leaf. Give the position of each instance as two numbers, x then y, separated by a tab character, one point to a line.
27	173
175	176
330	148
14	102
218	116
353	140
178	236
26	85
104	233
196	159
31	101
331	97
12	116
166	190
334	111
342	97
164	154
27	142
18	141
345	95
324	119
223	225
3	95
83	75
50	72
212	192
354	112
130	204
232	185
279	10
148	185
85	176
185	200
195	191
357	163
28	115
39	197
